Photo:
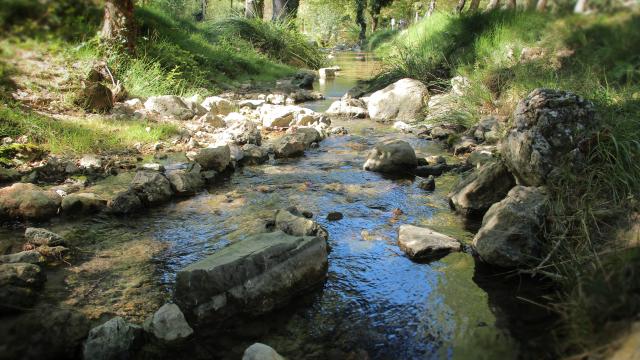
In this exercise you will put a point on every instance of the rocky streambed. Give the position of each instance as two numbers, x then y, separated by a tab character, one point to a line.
379	299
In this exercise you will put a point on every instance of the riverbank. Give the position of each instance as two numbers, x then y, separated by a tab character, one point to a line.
500	63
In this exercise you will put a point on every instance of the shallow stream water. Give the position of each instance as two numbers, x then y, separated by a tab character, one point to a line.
375	304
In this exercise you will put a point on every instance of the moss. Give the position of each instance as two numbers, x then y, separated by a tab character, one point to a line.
23	152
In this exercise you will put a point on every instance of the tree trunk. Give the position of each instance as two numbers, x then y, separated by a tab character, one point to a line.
119	25
511	4
432	7
493	4
375	20
542	5
253	8
581	7
475	4
460	6
360	7
283	9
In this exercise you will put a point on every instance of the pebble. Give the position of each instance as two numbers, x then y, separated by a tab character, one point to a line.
334	216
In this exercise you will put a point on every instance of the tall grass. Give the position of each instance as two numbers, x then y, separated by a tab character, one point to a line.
80	135
596	56
278	39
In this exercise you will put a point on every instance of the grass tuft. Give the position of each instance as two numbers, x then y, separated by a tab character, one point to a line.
277	39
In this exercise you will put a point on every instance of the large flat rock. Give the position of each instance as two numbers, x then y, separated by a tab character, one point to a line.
251	277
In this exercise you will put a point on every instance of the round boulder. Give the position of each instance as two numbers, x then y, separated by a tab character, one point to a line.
403	100
391	156
548	125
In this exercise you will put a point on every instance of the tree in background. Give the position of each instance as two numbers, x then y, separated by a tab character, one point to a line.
432	8
119	26
283	9
360	20
253	8
375	7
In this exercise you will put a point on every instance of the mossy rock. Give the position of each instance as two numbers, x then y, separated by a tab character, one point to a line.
24	152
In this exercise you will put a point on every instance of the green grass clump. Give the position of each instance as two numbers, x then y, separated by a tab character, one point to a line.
378	38
278	39
596	56
80	135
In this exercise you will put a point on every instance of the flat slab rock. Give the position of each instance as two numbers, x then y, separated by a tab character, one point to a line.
423	243
251	277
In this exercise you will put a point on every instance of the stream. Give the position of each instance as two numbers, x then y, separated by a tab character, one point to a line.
375	304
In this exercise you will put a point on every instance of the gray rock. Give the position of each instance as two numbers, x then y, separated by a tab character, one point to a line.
278	115
351	108
327	73
29	257
29	202
115	339
254	155
443	131
82	203
391	156
39	237
252	104
212	120
435	160
548	125
481	156
170	106
125	202
464	145
19	283
403	100
429	184
290	145
168	324
251	277
260	351
22	275
243	132
477	192
217	158
52	333
90	161
488	129
153	167
8	175
188	181
218	105
291	222
511	229
310	135
151	187
423	243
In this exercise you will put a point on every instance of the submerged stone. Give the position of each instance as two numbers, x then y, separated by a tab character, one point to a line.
39	237
260	351
423	243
